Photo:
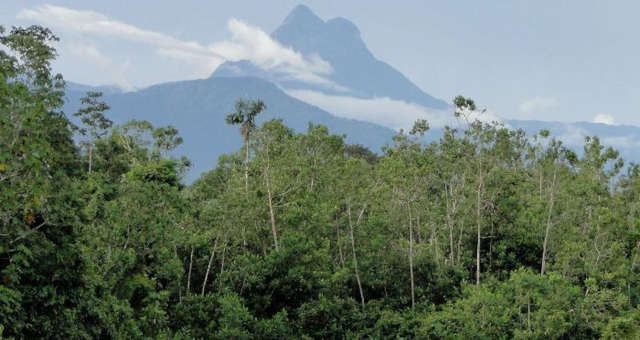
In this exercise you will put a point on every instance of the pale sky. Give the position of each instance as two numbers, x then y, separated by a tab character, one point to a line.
547	60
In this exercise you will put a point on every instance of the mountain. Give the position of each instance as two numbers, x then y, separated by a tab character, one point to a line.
354	68
338	41
81	88
198	108
624	138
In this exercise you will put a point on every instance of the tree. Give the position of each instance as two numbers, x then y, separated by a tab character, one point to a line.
245	115
446	239
556	153
42	287
92	116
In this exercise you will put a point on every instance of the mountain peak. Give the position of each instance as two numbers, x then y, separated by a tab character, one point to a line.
344	26
309	34
302	15
338	42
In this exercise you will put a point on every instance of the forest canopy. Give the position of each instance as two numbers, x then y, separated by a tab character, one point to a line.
486	233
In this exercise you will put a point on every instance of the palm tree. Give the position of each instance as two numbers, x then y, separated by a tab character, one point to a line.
245	115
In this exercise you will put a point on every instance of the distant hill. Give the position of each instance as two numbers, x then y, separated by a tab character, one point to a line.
624	138
198	107
81	88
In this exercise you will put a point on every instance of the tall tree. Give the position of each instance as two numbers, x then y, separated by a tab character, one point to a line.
95	122
245	115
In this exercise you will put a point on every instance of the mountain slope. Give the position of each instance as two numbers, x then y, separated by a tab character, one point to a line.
624	138
198	107
338	42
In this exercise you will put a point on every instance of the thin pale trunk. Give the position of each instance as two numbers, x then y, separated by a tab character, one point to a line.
491	247
549	223
540	183
313	173
175	252
338	243
246	185
272	217
459	252
246	166
189	273
419	230
450	223
90	157
206	275
224	251
478	217
433	241
353	250
413	298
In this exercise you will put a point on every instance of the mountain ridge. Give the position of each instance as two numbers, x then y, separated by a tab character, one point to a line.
338	42
198	108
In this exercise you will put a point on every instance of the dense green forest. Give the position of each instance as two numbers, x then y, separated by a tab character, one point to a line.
485	234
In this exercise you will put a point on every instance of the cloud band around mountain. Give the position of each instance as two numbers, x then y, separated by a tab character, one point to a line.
391	113
247	43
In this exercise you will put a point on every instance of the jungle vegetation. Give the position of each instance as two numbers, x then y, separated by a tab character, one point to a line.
486	233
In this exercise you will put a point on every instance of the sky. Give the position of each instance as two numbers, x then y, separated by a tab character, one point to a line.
544	60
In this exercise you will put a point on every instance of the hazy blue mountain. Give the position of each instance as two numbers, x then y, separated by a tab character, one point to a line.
81	88
624	138
198	107
338	42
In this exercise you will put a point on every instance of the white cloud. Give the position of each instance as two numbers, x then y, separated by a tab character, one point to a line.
89	52
94	23
573	135
247	43
622	142
604	118
395	114
86	52
120	77
251	43
537	105
202	65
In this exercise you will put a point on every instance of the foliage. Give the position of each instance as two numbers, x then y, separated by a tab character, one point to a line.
485	233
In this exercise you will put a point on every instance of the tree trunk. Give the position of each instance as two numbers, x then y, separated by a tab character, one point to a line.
90	157
478	222
548	228
459	246
413	297
449	222
540	183
246	185
433	241
224	252
353	250
175	252
189	272
246	166
419	230
206	275
272	217
313	173
338	244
